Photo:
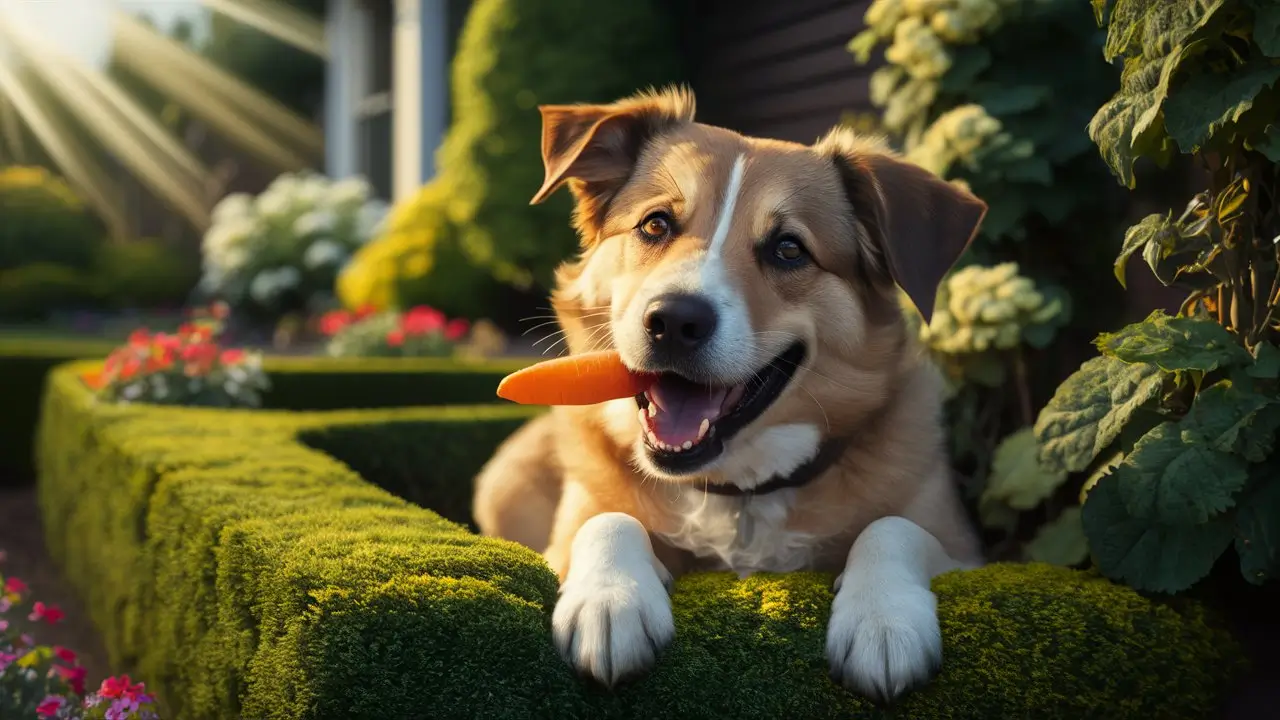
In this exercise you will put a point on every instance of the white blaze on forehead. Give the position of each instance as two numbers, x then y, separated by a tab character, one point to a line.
725	219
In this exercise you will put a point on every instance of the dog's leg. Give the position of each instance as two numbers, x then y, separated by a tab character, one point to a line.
883	636
614	612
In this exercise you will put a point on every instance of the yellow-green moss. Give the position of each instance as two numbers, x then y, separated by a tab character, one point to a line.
244	573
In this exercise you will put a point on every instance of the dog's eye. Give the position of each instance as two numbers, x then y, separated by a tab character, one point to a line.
786	251
655	227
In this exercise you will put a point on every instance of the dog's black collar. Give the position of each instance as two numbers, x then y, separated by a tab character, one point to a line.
827	456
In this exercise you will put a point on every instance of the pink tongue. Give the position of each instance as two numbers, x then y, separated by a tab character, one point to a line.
682	406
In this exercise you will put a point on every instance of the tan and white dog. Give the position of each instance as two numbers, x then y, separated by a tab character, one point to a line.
794	425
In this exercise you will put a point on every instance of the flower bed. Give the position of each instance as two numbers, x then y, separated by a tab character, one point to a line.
238	562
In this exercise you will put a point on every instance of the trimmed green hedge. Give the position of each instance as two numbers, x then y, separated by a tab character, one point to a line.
243	572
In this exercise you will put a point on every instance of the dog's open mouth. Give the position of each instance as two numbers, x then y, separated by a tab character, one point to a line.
686	423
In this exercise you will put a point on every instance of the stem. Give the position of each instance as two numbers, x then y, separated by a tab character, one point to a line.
1222	301
1023	385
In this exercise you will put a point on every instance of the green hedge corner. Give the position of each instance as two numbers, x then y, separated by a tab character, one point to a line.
265	564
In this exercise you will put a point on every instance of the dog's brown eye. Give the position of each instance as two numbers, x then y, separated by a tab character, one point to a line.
785	251
656	226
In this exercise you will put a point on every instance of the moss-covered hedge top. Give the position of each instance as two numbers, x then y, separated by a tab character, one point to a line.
245	574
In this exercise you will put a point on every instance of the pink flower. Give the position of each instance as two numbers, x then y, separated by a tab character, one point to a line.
27	640
74	676
331	323
49	613
231	357
5	604
15	586
115	688
456	329
51	705
63	654
395	338
6	659
422	320
4	625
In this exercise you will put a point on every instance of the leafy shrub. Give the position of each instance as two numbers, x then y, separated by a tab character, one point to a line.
273	581
1176	422
994	95
418	332
186	368
38	681
42	221
33	291
281	251
143	274
474	219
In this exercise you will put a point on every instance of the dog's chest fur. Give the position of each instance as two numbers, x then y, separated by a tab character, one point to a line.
741	534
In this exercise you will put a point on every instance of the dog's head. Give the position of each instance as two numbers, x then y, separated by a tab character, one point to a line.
756	276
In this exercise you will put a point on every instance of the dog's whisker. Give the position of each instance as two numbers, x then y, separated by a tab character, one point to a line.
539	325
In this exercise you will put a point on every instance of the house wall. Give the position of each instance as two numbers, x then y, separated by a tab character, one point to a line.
778	69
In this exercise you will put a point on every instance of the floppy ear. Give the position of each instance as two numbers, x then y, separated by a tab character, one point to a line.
594	148
920	223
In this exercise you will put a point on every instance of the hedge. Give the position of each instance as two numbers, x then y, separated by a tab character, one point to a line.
299	384
238	562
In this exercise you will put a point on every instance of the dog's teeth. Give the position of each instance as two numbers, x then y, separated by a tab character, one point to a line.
703	428
687	444
652	410
641	415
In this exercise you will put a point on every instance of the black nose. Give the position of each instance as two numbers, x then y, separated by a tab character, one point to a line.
679	323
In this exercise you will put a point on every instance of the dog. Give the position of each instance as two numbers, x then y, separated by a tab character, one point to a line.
795	424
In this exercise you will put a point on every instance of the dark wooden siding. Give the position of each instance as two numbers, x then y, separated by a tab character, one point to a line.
777	69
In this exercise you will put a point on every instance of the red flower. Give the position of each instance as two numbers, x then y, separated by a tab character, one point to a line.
50	706
331	323
422	320
15	586
395	338
74	676
94	380
49	613
63	654
220	310
115	688
231	357
456	329
130	367
365	311
139	338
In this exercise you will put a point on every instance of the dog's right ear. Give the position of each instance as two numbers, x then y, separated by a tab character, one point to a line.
594	148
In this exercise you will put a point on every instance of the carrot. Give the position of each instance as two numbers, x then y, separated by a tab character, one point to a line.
584	379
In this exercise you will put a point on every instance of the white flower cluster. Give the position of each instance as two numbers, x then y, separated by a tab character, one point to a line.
921	29
984	308
295	236
957	134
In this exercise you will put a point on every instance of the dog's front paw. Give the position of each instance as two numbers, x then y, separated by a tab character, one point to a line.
613	614
883	637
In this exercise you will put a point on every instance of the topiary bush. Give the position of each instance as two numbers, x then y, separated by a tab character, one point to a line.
473	222
42	221
238	561
33	291
143	274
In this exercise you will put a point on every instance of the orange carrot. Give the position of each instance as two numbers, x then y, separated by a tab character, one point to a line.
584	379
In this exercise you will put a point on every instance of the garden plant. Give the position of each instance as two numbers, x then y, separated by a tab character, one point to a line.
995	95
40	681
1175	423
417	332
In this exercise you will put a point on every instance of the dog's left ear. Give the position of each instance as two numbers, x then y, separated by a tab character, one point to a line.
595	147
920	223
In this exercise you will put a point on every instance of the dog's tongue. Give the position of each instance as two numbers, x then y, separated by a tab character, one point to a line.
681	408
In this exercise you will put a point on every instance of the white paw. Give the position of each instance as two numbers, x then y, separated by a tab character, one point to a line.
614	613
883	637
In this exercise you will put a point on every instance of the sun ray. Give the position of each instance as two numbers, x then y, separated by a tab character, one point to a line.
286	24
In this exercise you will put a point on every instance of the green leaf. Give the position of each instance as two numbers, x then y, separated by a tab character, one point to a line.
1266	362
1209	101
1125	127
1090	408
1220	412
1060	541
1031	170
1257	438
1017	477
1174	343
1000	100
1258	528
1152	228
1100	8
1269	144
1041	335
862	45
967	63
1154	28
1266	26
1145	554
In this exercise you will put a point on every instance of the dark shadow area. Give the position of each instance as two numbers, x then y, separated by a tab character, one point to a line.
429	463
381	387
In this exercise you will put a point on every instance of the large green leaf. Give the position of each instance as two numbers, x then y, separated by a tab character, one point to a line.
1258	527
1148	555
1060	541
1017	478
1266	362
1130	125
1209	101
1257	438
1154	28
1090	408
1174	343
1266	26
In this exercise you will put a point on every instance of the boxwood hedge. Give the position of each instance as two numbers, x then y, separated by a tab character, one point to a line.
241	564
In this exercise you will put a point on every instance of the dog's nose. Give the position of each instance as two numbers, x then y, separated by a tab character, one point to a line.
679	322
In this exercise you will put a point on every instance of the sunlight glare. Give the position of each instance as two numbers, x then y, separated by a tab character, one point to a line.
79	28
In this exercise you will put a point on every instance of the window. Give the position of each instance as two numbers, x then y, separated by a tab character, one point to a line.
373	111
